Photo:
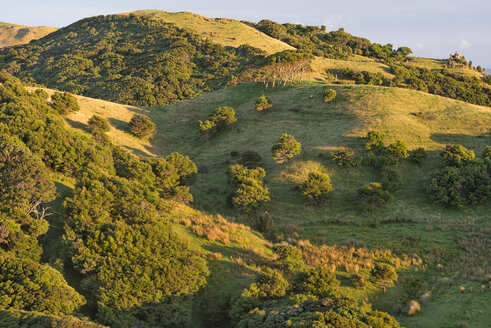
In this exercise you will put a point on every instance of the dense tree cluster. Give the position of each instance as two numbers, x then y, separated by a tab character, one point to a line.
133	267
463	179
335	44
128	59
64	103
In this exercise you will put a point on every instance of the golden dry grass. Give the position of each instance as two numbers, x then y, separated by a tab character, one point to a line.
11	35
358	63
224	31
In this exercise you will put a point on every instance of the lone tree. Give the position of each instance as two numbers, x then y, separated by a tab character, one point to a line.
373	195
64	103
219	119
398	149
263	103
251	191
98	124
374	140
384	274
317	188
142	127
286	147
329	95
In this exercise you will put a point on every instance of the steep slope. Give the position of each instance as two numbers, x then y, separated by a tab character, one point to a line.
224	31
128	59
12	35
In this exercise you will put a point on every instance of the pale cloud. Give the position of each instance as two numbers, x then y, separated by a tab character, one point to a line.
334	22
420	45
465	44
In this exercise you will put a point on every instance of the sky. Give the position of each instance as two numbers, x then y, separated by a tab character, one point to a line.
431	28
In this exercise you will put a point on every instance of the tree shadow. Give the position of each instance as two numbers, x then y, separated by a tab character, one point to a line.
470	142
77	125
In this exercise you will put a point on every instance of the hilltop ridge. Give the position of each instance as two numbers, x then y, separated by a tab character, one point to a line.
12	34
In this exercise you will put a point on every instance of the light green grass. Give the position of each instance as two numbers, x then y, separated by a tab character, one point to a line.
224	31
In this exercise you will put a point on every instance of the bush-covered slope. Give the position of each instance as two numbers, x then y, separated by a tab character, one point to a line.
129	59
12	35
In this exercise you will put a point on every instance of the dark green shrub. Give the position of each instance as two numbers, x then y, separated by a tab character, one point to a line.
30	286
219	119
345	158
456	155
390	179
251	191
41	94
263	103
418	155
317	188
398	150
461	185
250	159
379	161
329	95
271	284
486	154
374	140
383	274
97	124
142	127
286	147
64	103
320	282
373	195
290	257
186	169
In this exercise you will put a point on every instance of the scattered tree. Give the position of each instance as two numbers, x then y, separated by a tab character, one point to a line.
345	158
142	127
251	191
263	103
329	95
320	282
418	155
374	140
317	188
219	119
98	124
384	274
373	195
398	150
286	147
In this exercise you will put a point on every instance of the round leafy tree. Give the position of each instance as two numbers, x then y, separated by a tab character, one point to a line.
98	124
456	155
398	150
345	158
224	116
329	95
317	188
263	103
286	147
374	195
384	274
374	139
320	282
64	103
142	127
207	128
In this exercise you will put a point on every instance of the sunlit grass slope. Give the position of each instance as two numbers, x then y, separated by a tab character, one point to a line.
11	34
224	31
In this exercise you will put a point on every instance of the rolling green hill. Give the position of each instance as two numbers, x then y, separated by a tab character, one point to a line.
224	31
418	119
12	35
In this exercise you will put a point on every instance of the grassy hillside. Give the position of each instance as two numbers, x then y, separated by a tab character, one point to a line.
12	35
224	31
